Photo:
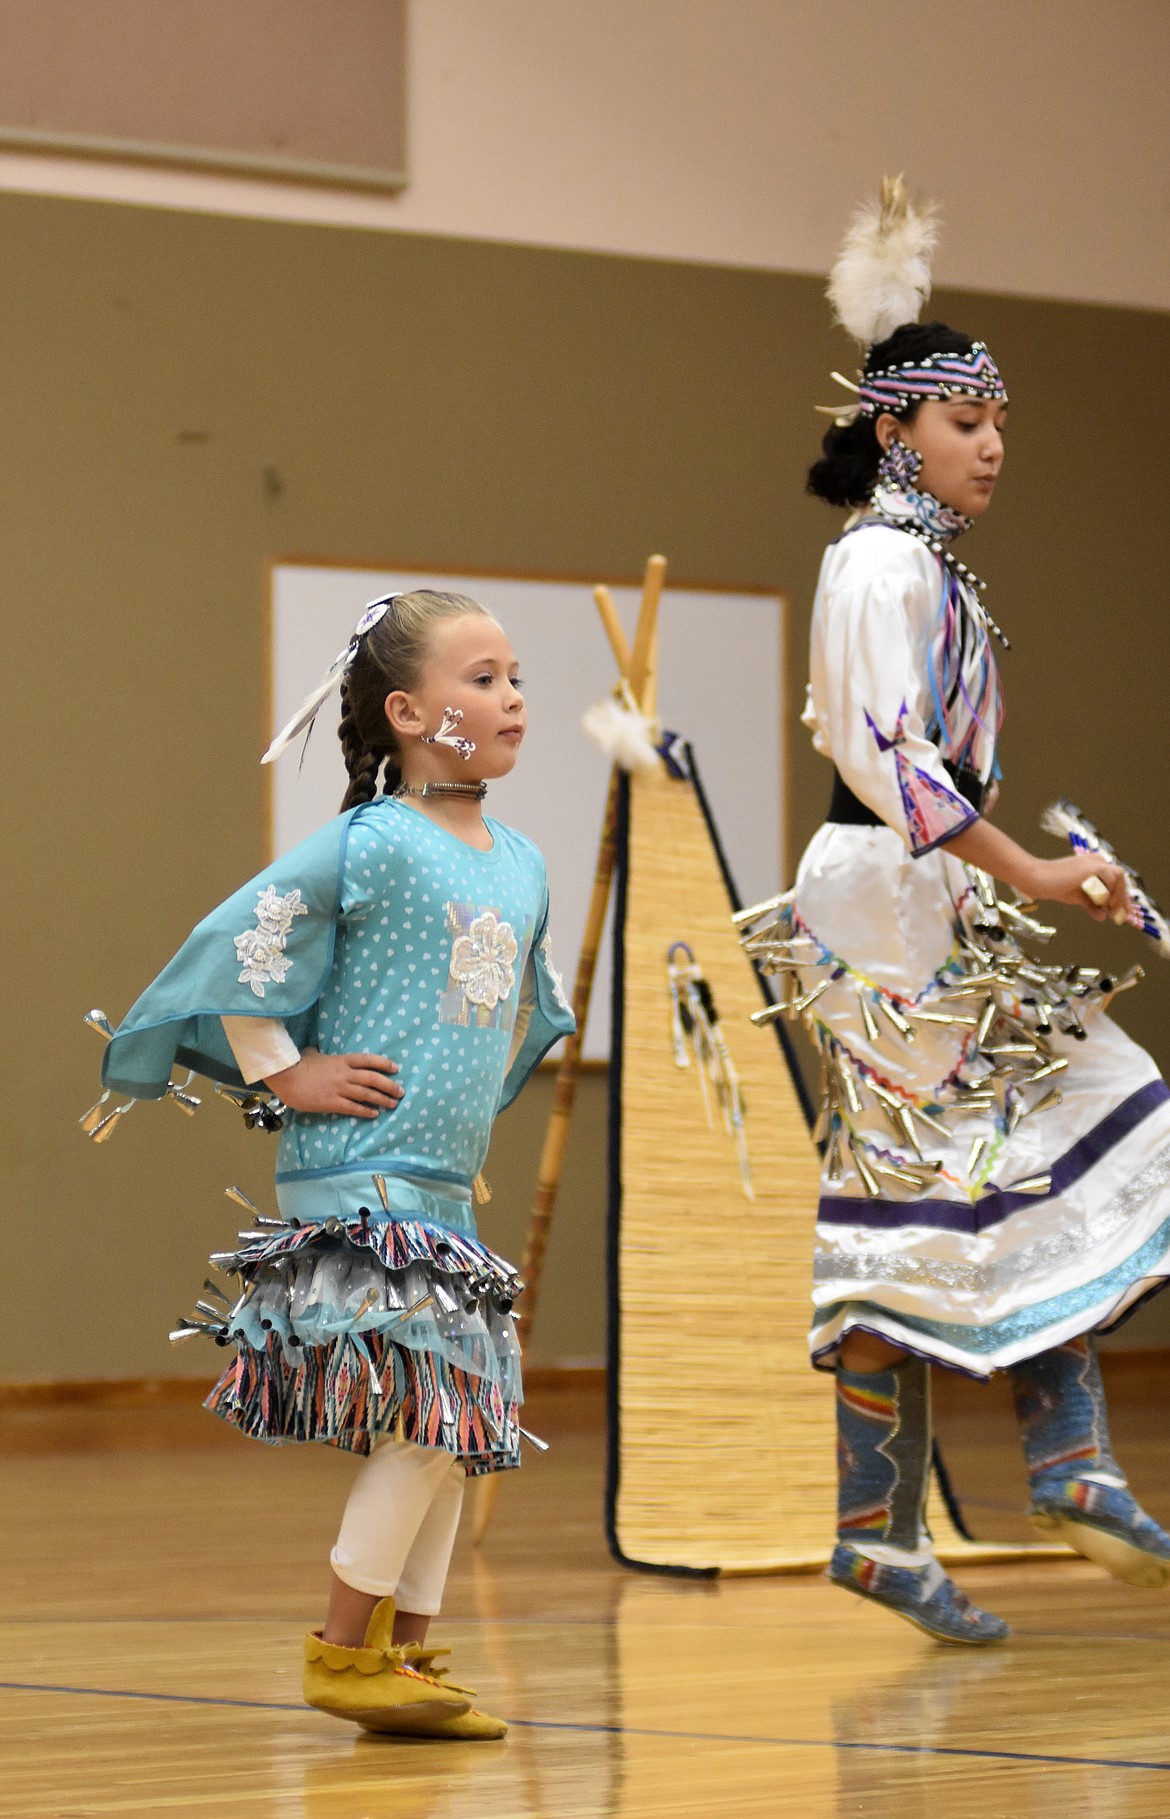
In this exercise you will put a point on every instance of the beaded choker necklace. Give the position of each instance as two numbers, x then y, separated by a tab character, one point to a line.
477	791
919	513
924	516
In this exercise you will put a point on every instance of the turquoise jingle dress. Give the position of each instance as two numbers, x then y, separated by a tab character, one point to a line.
371	1305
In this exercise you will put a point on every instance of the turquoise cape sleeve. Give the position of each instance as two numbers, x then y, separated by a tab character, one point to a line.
551	1018
266	952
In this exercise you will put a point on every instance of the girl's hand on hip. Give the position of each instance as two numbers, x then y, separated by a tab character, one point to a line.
353	1086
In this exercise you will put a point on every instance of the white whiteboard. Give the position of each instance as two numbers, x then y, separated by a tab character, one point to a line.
720	684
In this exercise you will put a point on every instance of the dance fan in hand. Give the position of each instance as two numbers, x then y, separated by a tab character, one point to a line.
1066	821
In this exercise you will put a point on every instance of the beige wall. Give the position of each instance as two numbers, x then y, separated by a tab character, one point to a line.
743	132
185	396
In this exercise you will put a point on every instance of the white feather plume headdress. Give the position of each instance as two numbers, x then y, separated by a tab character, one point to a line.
881	277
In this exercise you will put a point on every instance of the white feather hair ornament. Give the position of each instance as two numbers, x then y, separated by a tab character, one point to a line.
623	732
881	278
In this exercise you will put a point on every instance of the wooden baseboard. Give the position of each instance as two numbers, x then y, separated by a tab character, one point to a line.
1126	1373
1131	1372
159	1392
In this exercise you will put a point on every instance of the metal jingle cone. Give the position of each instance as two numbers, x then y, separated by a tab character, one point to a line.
90	1120
906	1120
890	1110
800	1005
867	1016
101	1133
902	1176
1019	918
743	917
241	1199
899	1022
239	1306
985	889
190	1323
931	1122
987	1018
1031	1184
417	1307
868	1180
971	985
848	1084
943	1017
975	1157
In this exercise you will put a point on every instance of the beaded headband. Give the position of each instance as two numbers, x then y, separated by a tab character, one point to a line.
973	375
896	388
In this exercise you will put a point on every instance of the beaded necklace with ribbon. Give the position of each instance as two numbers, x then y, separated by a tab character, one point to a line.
964	676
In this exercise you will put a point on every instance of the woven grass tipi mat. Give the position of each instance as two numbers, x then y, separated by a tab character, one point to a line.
722	1441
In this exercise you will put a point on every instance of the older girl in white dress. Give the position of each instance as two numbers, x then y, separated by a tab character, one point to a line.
996	1185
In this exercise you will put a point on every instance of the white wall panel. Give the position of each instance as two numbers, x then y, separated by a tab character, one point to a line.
742	132
719	684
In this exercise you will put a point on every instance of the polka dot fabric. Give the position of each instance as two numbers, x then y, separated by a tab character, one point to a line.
392	967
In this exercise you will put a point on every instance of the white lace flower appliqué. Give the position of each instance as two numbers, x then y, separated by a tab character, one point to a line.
483	961
260	950
558	983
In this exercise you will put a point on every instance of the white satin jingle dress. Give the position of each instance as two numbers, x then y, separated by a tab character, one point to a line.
997	1169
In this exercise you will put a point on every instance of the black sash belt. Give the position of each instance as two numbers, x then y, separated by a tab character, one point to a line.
850	811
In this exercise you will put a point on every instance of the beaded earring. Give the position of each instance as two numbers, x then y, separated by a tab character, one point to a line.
899	467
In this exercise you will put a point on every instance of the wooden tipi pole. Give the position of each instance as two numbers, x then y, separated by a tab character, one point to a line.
635	670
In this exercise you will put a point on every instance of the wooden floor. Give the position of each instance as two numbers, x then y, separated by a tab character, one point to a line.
157	1573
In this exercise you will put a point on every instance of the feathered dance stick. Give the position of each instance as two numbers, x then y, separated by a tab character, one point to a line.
1065	820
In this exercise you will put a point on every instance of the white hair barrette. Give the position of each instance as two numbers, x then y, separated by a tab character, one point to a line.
302	720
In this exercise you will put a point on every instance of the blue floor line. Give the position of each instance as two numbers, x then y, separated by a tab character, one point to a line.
621	1730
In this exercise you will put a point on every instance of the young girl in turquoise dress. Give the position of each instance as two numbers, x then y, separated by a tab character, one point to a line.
389	981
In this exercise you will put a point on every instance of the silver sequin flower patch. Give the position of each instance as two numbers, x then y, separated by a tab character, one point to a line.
482	974
483	960
260	950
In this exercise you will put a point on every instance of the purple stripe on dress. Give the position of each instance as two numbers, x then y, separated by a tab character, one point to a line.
1000	1203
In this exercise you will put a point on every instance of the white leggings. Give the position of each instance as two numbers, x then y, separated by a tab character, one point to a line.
399	1525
